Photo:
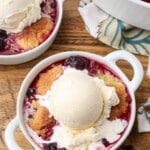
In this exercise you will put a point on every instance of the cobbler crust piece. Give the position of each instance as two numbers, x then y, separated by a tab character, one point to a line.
122	107
32	36
40	122
46	79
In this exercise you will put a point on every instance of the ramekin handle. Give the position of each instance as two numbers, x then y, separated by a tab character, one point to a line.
9	135
135	63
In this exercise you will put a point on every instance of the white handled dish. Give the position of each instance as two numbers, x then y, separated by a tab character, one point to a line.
109	60
37	51
134	12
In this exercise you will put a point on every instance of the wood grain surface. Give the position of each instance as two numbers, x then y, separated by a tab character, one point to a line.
72	36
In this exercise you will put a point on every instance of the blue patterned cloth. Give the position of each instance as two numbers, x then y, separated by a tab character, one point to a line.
112	31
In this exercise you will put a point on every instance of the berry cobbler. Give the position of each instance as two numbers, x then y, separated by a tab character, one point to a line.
77	104
26	28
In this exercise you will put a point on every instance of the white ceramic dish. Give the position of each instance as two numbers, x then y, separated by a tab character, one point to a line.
109	60
29	55
134	12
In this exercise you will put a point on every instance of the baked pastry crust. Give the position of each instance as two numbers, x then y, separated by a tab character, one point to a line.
40	120
121	108
46	79
35	34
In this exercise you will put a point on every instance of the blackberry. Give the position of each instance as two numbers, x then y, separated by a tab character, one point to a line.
2	44
42	5
30	116
77	62
3	34
53	5
30	92
51	146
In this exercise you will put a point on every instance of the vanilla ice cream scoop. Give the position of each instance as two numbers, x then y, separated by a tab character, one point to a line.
15	15
76	100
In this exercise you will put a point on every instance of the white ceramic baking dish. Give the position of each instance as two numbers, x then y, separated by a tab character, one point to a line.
109	60
31	54
134	12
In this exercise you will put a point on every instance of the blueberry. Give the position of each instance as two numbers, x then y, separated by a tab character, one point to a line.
2	44
77	62
53	5
42	4
30	116
51	146
3	34
30	92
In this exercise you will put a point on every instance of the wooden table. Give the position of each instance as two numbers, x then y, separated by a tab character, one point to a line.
72	36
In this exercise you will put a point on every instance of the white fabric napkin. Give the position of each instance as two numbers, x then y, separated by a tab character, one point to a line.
148	69
119	35
112	31
144	117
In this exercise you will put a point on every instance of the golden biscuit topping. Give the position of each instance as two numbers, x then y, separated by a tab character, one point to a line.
46	79
32	36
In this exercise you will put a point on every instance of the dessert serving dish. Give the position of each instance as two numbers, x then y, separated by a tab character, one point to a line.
133	12
77	100
27	29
